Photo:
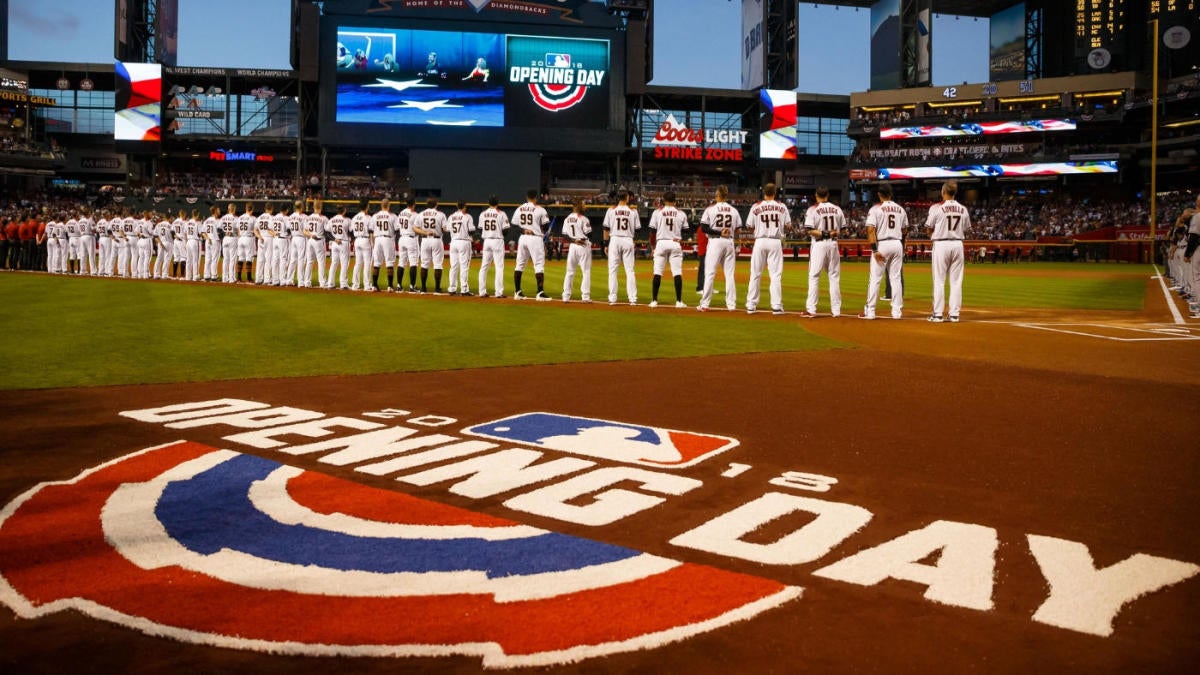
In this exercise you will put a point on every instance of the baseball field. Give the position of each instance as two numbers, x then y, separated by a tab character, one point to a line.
202	477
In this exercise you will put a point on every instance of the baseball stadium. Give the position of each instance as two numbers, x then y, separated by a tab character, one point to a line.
475	335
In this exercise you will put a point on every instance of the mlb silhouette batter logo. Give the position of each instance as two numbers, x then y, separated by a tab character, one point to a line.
215	547
618	441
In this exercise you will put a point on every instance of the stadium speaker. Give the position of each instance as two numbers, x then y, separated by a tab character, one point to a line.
308	41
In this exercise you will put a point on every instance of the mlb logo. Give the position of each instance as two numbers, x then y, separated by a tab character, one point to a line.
558	60
605	439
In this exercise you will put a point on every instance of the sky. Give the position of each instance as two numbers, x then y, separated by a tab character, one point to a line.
834	47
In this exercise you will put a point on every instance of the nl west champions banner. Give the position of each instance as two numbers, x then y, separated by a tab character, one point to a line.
467	79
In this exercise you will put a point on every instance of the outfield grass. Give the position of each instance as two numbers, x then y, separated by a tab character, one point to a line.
66	332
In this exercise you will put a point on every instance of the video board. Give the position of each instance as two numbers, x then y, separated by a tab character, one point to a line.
138	101
977	129
433	84
1001	170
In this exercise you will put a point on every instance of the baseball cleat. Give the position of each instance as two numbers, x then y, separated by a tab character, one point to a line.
542	297
483	294
954	319
453	293
612	302
807	315
750	310
680	305
467	294
633	303
586	301
653	304
519	296
866	317
701	308
777	311
500	296
934	318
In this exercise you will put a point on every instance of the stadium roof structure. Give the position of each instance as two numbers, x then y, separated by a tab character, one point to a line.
956	7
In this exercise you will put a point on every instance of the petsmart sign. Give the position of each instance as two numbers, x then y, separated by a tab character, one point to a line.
168	539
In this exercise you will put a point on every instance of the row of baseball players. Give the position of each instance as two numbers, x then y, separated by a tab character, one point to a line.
282	248
1183	260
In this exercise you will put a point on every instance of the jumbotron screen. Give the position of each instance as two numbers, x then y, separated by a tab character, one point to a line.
438	78
977	129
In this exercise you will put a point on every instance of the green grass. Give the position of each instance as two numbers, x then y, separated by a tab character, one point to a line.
65	332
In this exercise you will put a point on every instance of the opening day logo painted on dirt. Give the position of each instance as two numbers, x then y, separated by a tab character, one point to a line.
232	549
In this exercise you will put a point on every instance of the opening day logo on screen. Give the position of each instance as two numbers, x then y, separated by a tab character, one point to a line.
558	75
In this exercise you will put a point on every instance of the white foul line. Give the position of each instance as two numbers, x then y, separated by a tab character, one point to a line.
1167	294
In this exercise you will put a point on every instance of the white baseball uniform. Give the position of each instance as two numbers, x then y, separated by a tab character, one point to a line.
461	225
229	246
408	246
265	267
53	253
949	221
668	224
721	253
212	246
104	230
1194	266
179	251
339	251
297	245
280	245
87	246
144	231
824	255
71	227
360	228
890	221
246	226
768	218
492	224
165	237
531	219
621	221
126	249
577	228
191	234
383	226
433	251
314	231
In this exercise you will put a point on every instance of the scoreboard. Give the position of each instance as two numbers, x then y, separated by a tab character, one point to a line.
1100	33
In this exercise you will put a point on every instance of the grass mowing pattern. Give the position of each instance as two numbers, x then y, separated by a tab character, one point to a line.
66	332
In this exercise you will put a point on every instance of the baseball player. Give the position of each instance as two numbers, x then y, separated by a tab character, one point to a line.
191	235
229	244
50	237
71	227
431	224
209	236
887	223
721	223
87	244
144	231
314	234
947	223
164	248
492	224
824	223
461	225
179	251
104	230
620	223
768	218
577	230
281	244
297	245
532	219
383	227
246	243
1192	218
408	247
264	265
126	247
667	225
360	228
339	250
